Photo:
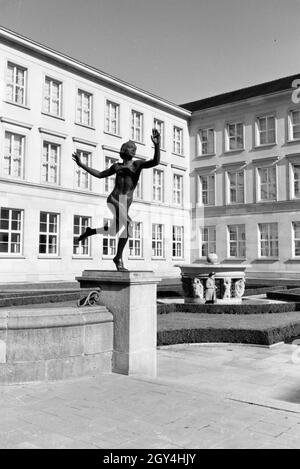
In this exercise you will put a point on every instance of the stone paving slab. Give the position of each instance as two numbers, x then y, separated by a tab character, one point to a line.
205	396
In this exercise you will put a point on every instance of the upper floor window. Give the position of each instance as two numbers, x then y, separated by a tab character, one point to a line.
160	126
267	183
137	126
50	163
11	231
13	155
80	225
235	136
135	241
109	180
16	78
236	187
296	180
177	140
177	189
49	233
237	240
53	97
84	108
294	125
268	236
266	131
82	177
206	142
208	244
207	183
112	118
177	242
138	193
158	185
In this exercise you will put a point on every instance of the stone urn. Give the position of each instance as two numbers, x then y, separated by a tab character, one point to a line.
212	258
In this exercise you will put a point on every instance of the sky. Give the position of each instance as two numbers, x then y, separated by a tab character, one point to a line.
181	50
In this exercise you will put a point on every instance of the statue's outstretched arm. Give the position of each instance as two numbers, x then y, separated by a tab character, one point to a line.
94	172
155	137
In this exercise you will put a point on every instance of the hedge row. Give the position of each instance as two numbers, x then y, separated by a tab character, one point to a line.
228	309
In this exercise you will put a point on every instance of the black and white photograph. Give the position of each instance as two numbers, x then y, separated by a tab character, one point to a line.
149	227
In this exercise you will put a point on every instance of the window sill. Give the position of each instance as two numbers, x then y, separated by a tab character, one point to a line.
295	140
139	143
206	155
266	259
158	259
53	115
11	256
85	125
49	256
177	154
236	150
234	259
293	260
79	257
265	145
112	134
133	258
23	106
266	201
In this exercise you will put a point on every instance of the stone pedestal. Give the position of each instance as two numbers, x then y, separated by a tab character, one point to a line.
131	298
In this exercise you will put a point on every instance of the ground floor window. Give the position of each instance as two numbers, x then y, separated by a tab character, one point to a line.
11	231
208	235
109	246
296	238
80	225
177	242
237	240
49	234
268	237
135	242
157	240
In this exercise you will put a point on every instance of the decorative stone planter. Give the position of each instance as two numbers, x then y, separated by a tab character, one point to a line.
229	282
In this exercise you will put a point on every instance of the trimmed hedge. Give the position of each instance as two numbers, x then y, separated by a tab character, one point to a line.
243	308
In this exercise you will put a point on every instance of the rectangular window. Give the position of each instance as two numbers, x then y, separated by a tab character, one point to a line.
207	189
177	242
112	117
296	238
236	187
135	242
11	231
177	189
268	233
48	241
207	141
138	193
13	155
208	240
137	126
158	185
266	130
160	126
267	183
53	97
235	136
16	78
110	180
296	180
294	121
84	108
237	240
157	240
177	140
80	225
109	247
82	178
50	163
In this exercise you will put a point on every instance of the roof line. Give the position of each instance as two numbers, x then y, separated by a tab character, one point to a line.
88	69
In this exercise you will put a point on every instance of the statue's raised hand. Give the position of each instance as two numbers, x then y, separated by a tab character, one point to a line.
76	158
155	137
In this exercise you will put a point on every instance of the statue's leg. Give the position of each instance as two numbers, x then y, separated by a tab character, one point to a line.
125	222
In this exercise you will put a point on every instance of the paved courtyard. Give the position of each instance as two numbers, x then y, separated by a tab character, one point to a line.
205	396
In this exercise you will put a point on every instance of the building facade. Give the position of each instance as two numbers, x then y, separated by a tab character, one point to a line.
245	178
52	106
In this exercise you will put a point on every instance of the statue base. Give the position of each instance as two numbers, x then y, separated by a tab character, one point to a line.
131	297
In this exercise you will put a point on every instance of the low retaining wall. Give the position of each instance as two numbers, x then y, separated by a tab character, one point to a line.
54	343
